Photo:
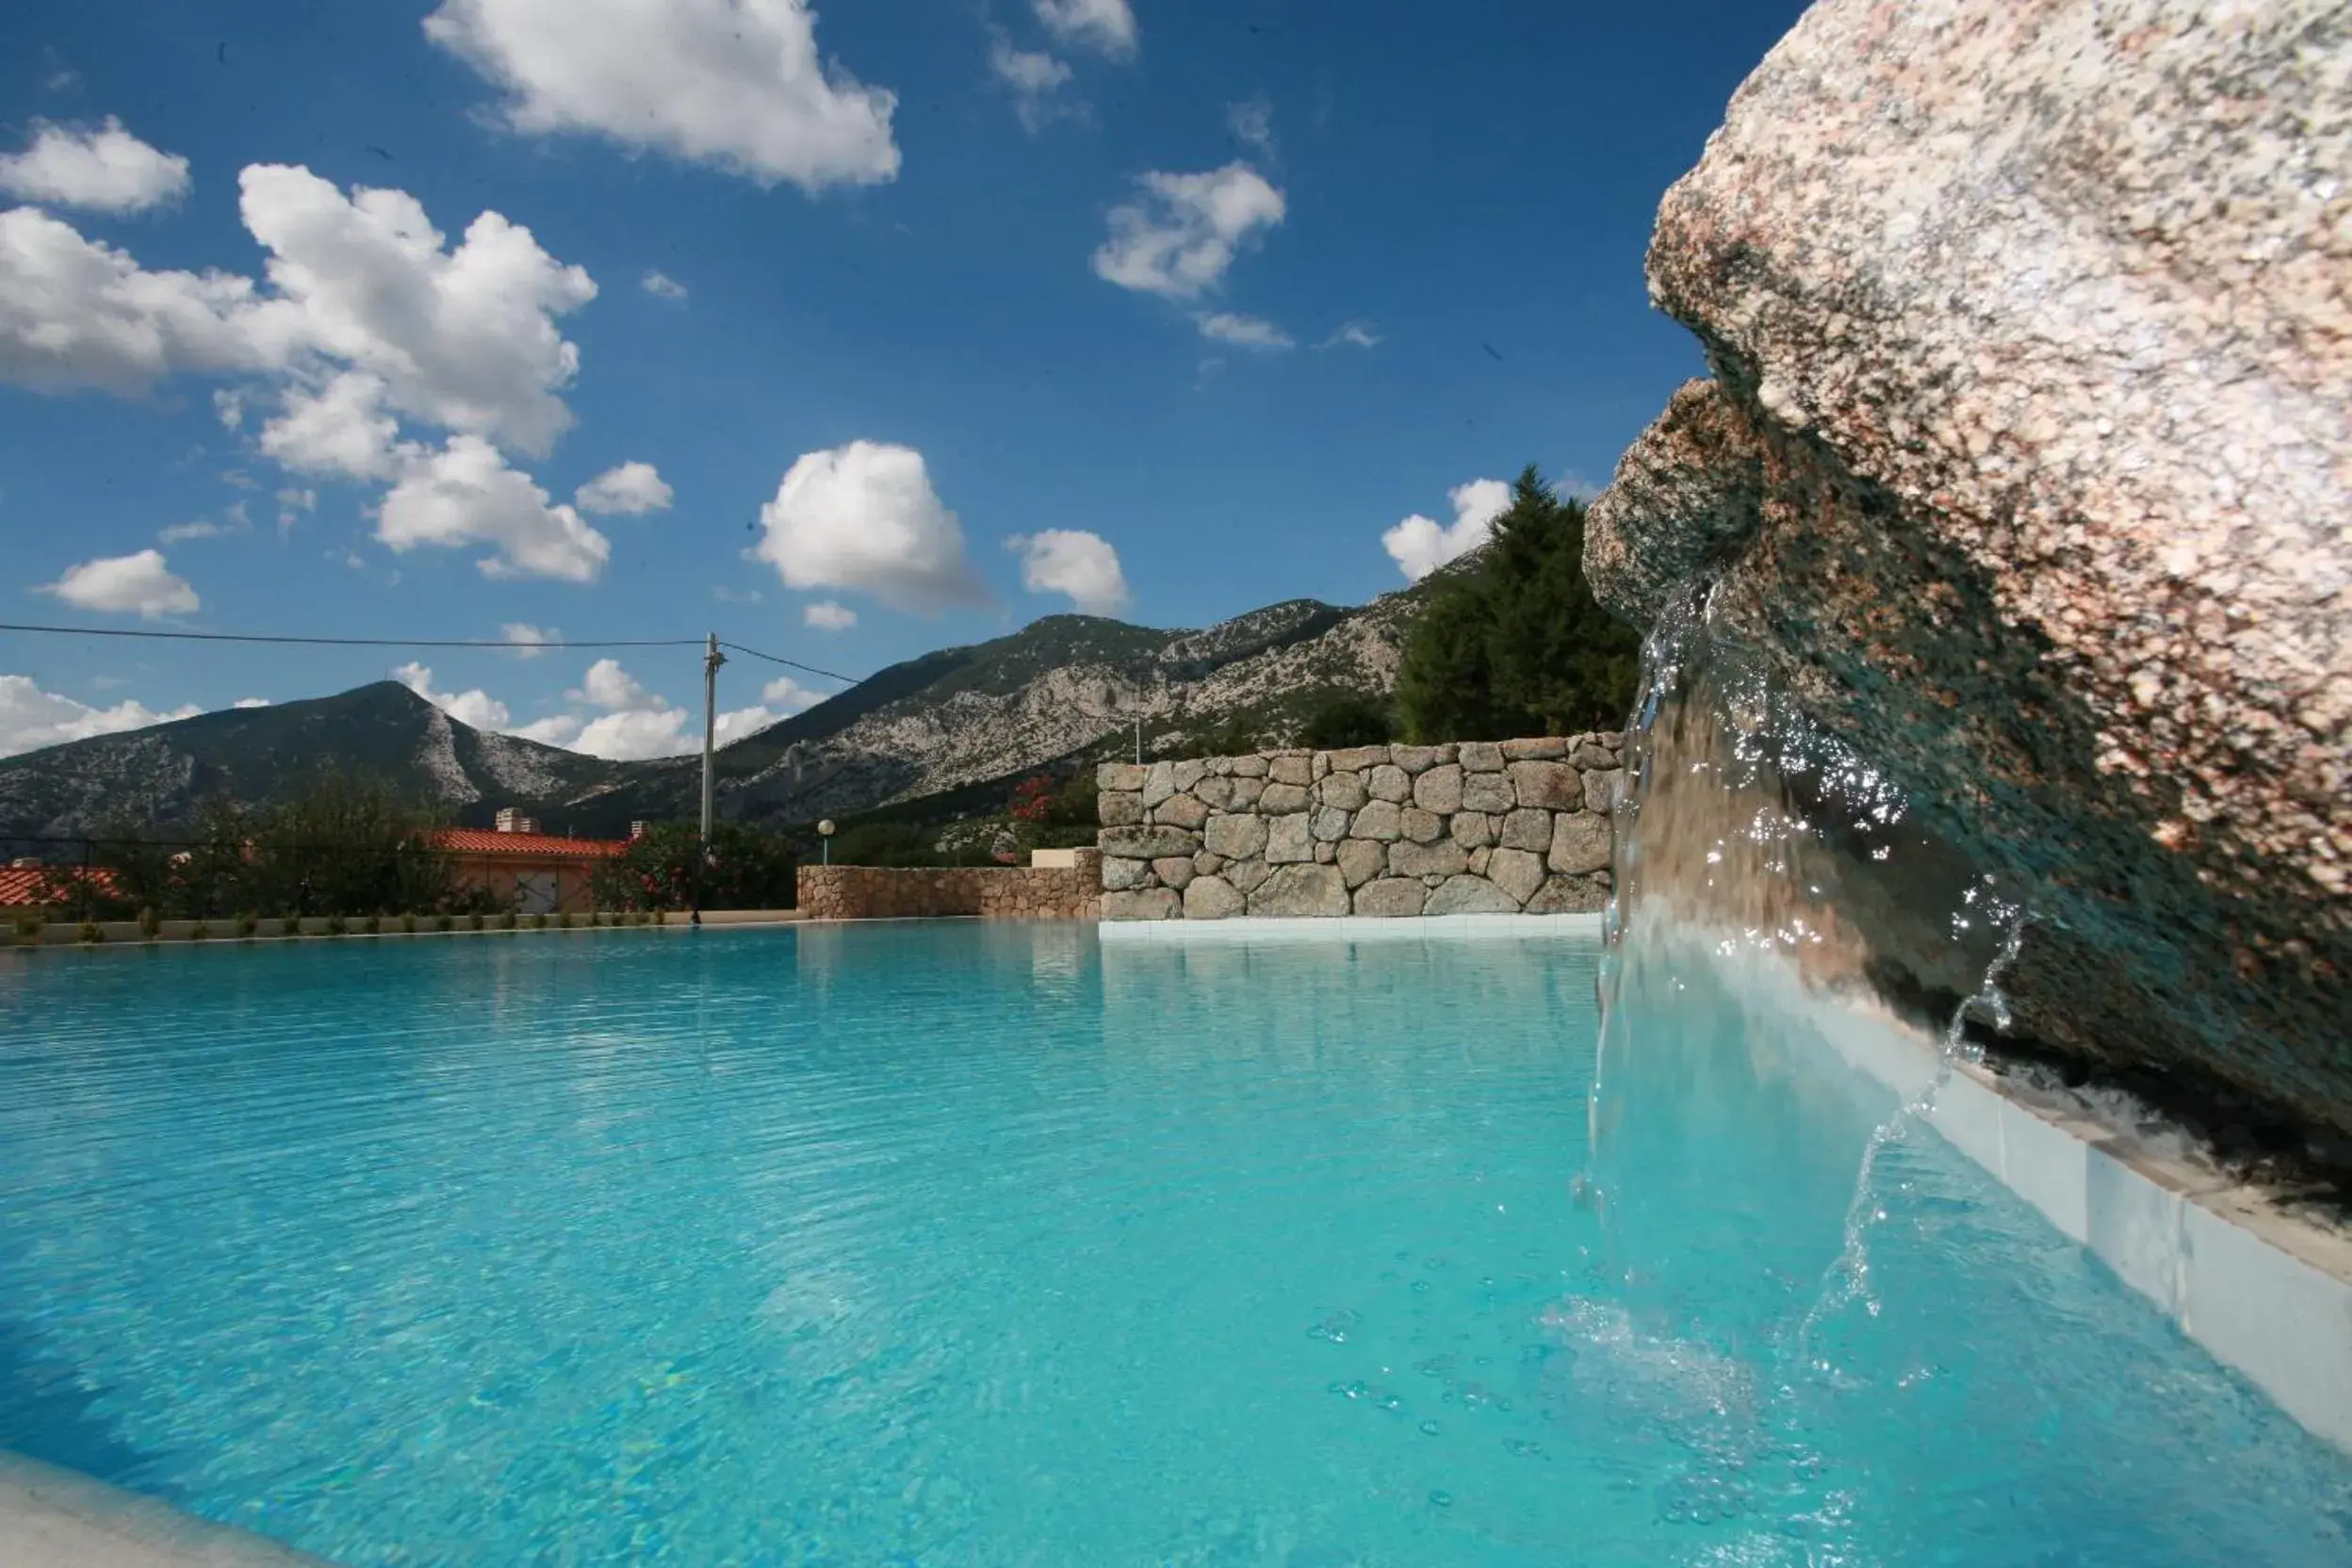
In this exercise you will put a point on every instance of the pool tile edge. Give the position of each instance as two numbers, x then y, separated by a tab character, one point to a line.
1351	928
55	1518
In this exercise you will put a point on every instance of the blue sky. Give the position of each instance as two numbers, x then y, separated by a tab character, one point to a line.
1195	306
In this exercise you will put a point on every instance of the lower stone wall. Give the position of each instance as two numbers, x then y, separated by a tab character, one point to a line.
1003	892
1479	827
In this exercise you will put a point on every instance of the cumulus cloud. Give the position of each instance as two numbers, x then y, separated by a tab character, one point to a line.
1106	27
1248	331
827	616
1033	78
77	314
31	718
139	583
635	723
560	729
1252	123
631	489
661	285
1072	561
788	695
202	528
1179	235
1421	545
463	338
737	84
864	516
338	430
529	640
464	494
107	169
476	707
1353	335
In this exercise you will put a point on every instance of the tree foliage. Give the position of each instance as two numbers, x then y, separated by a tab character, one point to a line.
748	868
1515	644
1348	720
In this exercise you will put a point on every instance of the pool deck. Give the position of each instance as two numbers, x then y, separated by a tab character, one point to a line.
53	1518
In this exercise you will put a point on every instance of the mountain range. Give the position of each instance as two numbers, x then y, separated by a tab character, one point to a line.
1063	689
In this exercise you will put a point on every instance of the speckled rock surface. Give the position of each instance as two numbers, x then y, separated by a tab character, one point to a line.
2028	462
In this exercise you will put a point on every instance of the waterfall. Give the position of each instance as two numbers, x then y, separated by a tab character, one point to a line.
1761	866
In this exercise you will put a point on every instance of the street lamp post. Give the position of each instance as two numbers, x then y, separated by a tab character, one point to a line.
824	838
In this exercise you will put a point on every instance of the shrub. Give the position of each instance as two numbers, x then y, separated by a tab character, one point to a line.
475	920
408	925
565	919
290	927
443	922
150	924
199	932
28	924
538	923
507	921
91	932
1348	720
372	924
337	925
248	923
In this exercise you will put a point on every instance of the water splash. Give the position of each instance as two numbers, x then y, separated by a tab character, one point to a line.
1752	841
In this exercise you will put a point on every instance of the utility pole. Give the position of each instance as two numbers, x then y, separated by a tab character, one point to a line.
711	659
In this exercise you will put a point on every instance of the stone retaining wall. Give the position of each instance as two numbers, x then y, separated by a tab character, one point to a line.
1481	828
1003	892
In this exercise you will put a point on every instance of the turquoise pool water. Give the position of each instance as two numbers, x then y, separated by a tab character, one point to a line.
978	1243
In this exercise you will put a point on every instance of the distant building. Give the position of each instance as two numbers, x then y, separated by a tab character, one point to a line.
27	883
543	873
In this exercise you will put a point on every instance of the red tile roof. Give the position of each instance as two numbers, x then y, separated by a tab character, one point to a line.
27	885
482	841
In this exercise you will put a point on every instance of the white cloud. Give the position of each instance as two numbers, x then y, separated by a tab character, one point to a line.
202	527
827	616
864	516
737	84
1180	236
631	489
292	503
139	582
1033	78
75	313
464	338
109	170
1575	487
1354	334
789	696
1072	561
251	702
476	707
464	494
1420	544
1106	27
560	729
661	285
1252	123
31	718
1250	332
230	406
636	723
339	430
607	685
529	640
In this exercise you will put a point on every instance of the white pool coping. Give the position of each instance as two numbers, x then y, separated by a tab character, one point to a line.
2263	1291
1354	928
54	1518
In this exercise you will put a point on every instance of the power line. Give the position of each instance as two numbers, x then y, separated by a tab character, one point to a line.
790	663
360	641
502	643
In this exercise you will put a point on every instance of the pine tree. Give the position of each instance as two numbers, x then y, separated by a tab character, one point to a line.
1517	645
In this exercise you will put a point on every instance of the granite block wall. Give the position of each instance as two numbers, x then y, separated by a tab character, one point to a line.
1479	827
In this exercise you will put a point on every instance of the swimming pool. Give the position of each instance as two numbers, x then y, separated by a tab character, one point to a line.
978	1243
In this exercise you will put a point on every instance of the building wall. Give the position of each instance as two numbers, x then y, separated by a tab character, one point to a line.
536	883
1001	892
1480	827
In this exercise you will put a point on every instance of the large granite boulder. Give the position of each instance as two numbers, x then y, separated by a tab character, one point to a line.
2027	468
